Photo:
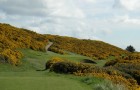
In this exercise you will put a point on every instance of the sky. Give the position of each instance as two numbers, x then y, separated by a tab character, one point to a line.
113	21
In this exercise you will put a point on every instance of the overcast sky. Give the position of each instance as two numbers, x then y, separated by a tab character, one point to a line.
113	21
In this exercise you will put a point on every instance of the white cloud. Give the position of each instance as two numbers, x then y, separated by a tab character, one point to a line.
126	19
127	4
90	19
131	4
64	9
89	1
2	15
106	31
117	4
23	7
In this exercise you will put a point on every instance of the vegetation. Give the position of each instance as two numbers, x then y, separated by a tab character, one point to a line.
12	38
130	65
91	48
81	69
11	56
130	48
26	77
63	66
57	50
107	85
20	52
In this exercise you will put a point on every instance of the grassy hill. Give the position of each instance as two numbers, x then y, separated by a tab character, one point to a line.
12	38
128	64
22	61
26	77
91	48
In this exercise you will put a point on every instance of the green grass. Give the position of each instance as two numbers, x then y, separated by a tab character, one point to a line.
25	76
38	59
47	56
40	83
41	57
45	80
101	63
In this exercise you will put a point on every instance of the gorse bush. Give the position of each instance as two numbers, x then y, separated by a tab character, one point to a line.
51	62
56	50
71	67
131	69
82	69
12	56
12	38
111	63
129	65
63	66
131	84
91	48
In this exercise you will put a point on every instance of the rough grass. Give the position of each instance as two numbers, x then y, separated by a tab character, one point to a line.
107	85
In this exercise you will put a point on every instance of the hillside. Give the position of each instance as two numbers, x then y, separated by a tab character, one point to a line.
91	48
25	76
24	49
12	38
128	64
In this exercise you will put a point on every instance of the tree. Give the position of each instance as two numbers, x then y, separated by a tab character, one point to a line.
130	48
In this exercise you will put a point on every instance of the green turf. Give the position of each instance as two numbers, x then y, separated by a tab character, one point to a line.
38	59
100	63
39	83
25	76
41	57
35	60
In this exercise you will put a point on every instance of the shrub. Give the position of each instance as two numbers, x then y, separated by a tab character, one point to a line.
52	61
82	69
12	38
118	80
131	69
12	56
111	63
56	50
70	67
91	48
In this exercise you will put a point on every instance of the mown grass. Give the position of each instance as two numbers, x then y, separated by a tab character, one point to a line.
40	83
25	76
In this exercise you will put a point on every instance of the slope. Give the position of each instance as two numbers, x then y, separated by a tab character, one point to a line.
12	38
26	77
91	48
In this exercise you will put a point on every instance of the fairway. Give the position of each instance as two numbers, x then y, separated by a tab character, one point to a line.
25	76
85	58
39	83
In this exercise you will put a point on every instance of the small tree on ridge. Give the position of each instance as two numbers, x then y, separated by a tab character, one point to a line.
130	48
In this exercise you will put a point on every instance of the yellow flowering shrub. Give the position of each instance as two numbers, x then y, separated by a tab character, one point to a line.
12	56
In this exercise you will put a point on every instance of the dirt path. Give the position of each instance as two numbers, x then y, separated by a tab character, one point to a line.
48	46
